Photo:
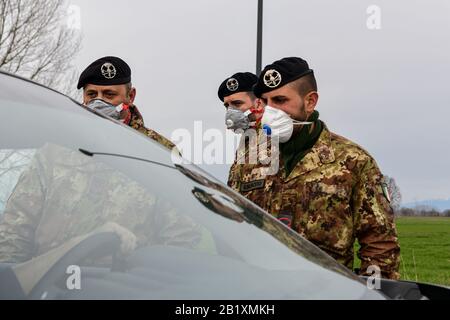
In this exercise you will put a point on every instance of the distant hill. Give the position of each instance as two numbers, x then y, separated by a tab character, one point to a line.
438	204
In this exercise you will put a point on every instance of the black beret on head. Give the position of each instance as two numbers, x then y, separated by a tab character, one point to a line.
279	73
238	82
105	71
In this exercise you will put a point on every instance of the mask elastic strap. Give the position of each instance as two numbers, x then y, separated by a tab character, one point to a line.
295	122
248	113
254	110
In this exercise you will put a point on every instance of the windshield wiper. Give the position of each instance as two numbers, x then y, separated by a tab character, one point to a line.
91	154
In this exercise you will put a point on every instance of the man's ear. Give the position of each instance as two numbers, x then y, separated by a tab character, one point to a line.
259	104
132	95
311	100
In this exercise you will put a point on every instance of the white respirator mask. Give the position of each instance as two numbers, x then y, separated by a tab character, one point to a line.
277	123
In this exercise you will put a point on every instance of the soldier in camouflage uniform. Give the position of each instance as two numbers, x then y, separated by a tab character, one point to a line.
327	188
109	79
244	109
64	194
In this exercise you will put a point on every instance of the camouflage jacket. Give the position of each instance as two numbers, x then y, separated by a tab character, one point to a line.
64	194
137	122
332	197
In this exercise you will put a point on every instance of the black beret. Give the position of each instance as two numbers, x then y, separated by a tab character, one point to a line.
279	73
238	82
106	71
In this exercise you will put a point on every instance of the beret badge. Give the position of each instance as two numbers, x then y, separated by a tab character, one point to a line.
108	70
272	78
232	84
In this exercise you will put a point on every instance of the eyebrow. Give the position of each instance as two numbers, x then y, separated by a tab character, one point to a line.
226	104
279	97
109	91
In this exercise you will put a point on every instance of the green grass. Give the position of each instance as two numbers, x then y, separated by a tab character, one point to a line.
425	249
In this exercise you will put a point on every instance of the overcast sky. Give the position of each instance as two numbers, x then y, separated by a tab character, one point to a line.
386	89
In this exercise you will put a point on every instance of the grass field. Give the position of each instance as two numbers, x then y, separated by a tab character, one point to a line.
425	249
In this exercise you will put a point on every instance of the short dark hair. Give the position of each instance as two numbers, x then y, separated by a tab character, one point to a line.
305	84
128	87
251	95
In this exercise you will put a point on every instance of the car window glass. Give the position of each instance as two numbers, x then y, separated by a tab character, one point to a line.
12	164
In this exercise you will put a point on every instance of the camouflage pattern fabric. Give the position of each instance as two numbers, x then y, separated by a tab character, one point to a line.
137	122
64	194
332	197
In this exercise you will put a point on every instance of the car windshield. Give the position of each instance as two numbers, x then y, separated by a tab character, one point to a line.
65	171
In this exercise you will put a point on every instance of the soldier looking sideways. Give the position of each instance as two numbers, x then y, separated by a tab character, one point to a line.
327	188
244	110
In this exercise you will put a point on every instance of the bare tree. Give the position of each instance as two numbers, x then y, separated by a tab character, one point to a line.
394	192
406	212
36	42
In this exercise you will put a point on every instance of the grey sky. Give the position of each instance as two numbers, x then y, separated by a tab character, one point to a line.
385	89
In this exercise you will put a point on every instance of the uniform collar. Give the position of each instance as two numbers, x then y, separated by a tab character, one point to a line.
321	153
137	121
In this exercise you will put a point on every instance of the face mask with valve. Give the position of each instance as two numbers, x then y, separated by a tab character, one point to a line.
109	110
238	120
277	123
